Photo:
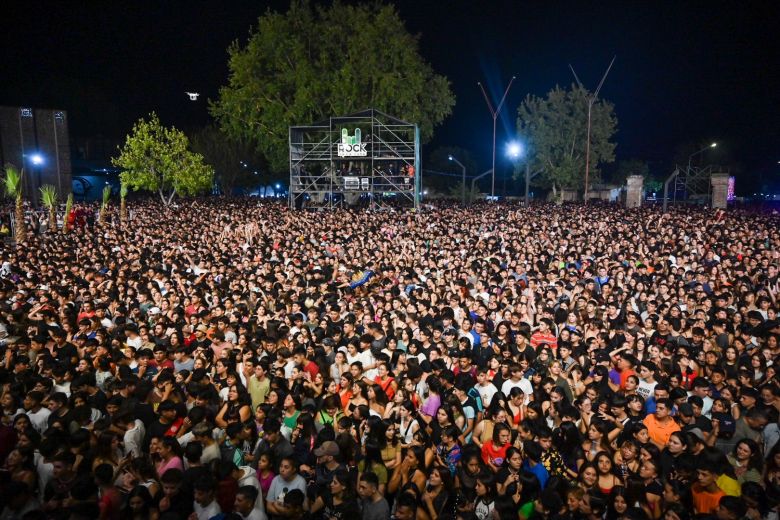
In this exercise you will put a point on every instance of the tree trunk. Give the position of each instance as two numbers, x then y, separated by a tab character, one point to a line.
102	216
53	219
170	198
123	212
21	228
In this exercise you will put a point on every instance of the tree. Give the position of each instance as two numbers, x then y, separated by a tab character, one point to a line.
234	160
311	63
156	158
123	204
555	130
68	208
104	205
438	161
49	201
13	188
455	192
626	168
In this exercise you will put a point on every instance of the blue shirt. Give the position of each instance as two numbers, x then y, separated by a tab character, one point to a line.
539	470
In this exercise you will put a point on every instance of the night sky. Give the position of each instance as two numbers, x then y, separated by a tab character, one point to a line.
686	72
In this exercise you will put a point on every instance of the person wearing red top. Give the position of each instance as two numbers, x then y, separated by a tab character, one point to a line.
544	335
109	497
494	450
626	366
309	366
384	380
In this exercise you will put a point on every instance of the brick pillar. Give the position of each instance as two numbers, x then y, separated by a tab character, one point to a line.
720	189
634	191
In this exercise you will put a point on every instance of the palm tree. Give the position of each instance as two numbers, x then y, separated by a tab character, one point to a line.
104	205
13	187
49	200
123	204
68	207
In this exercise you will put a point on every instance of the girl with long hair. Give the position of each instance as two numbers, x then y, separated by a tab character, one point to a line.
437	498
746	461
606	471
597	441
372	461
410	474
339	500
508	475
485	502
139	505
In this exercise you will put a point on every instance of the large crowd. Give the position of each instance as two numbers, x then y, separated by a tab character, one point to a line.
235	359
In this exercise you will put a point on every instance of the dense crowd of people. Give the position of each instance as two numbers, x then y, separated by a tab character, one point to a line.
235	359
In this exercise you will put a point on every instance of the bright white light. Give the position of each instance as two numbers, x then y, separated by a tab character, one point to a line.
37	159
449	157
278	186
713	145
425	192
514	149
193	95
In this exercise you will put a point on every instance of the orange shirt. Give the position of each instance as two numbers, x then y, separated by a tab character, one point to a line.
705	502
660	432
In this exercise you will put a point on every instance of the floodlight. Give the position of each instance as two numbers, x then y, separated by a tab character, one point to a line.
514	149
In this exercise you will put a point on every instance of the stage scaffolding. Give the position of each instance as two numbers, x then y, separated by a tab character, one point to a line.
366	159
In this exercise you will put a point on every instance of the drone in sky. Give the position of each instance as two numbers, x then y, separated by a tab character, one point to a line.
193	95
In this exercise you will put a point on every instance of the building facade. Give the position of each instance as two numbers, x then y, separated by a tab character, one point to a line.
37	140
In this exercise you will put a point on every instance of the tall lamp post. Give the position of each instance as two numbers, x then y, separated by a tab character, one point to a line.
494	115
463	171
713	145
591	100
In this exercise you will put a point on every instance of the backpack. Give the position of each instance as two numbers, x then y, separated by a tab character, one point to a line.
474	394
227	452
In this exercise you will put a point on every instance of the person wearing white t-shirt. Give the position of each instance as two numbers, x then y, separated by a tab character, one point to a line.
367	357
287	480
133	438
647	380
38	414
516	379
205	505
485	388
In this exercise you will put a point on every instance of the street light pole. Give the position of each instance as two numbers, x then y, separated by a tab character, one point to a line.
494	115
713	145
591	100
463	186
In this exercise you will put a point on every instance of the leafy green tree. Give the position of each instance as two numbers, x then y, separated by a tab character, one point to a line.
555	130
438	161
653	184
314	62
623	169
157	158
455	192
234	159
